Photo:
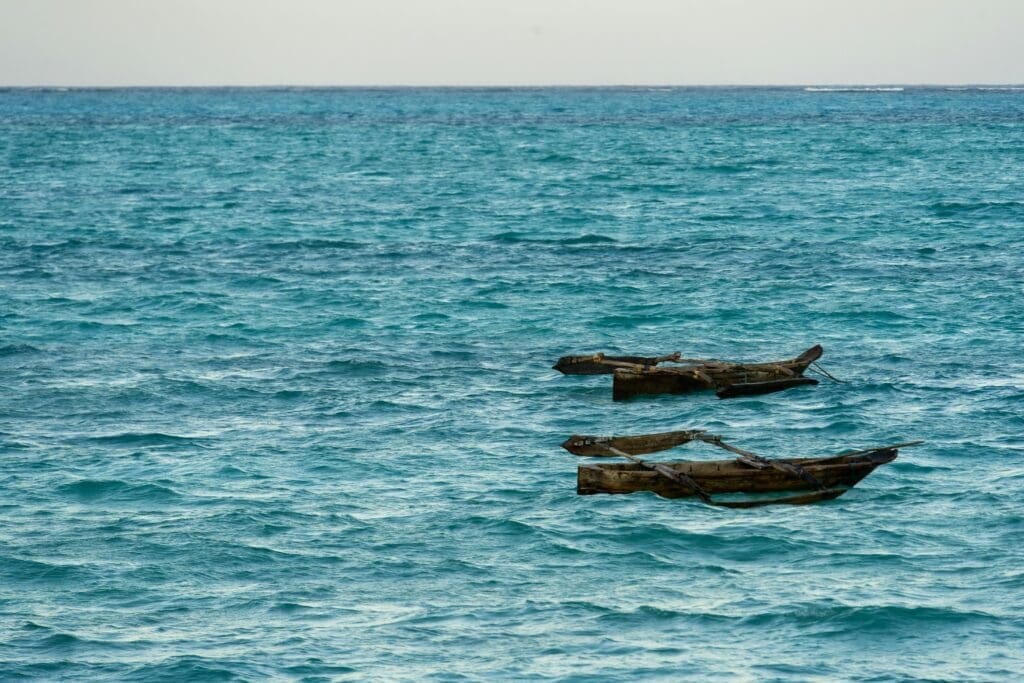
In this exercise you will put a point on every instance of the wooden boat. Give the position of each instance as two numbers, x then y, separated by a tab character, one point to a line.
822	478
600	364
730	379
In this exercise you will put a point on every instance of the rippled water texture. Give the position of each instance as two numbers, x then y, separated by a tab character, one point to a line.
277	397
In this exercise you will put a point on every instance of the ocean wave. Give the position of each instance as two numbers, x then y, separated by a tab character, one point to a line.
435	316
101	325
588	239
357	368
61	246
947	209
317	669
116	489
453	355
140	439
17	350
313	245
62	642
558	158
15	569
846	619
531	238
484	304
196	668
647	614
499	525
349	322
725	168
630	321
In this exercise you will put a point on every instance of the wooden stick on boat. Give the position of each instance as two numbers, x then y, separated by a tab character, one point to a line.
677	477
761	462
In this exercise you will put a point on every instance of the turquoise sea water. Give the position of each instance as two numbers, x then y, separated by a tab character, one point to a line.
277	400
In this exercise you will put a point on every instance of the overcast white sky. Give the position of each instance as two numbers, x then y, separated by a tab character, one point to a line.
509	42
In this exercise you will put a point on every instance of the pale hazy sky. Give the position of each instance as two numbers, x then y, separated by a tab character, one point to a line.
509	42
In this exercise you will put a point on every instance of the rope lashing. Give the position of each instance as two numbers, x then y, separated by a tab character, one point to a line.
815	367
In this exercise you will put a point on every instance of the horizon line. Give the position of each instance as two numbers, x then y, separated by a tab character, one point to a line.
501	86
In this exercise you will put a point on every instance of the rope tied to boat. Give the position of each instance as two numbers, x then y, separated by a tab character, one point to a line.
816	368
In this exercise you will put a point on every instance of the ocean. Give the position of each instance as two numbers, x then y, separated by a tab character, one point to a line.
278	400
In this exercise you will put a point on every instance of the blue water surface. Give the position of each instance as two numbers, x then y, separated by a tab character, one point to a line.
277	398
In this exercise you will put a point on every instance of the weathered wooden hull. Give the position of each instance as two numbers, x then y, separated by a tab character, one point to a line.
599	364
595	446
730	476
638	381
630	383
